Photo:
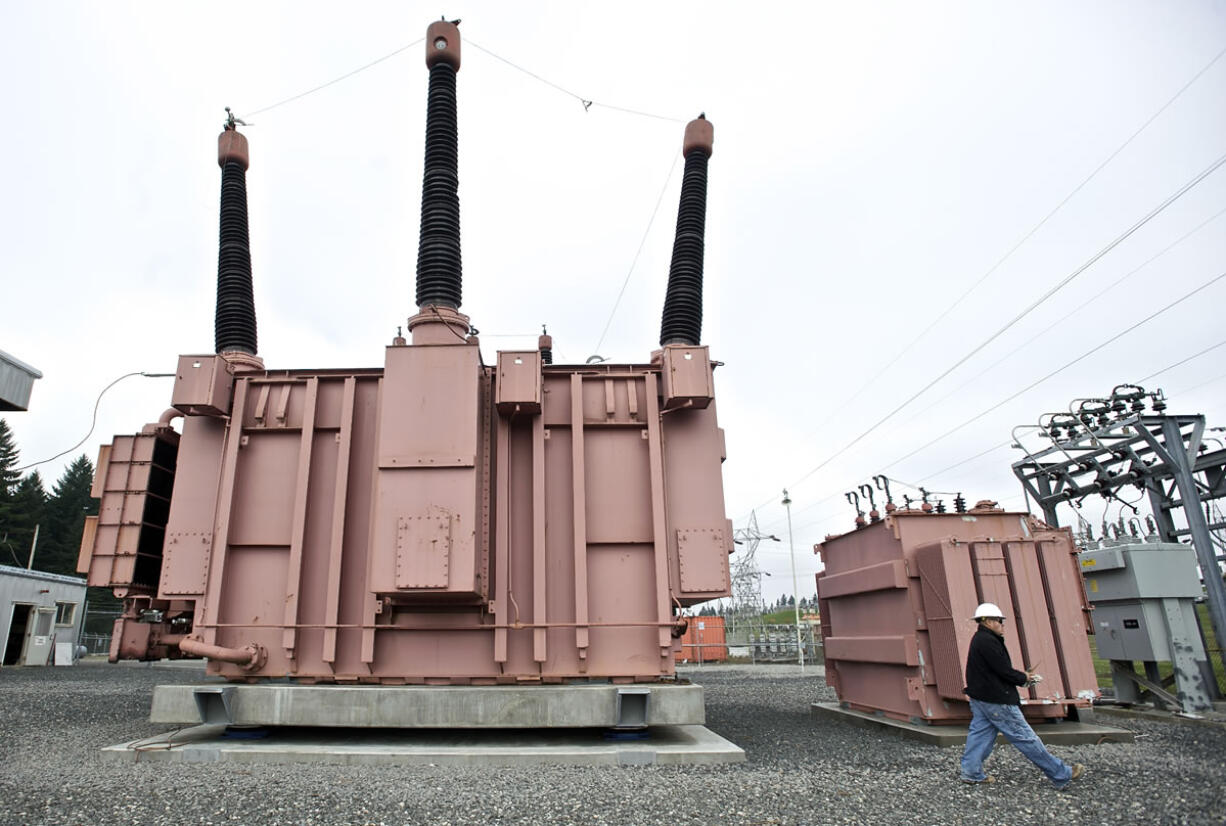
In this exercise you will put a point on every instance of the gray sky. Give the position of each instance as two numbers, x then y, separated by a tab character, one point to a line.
872	162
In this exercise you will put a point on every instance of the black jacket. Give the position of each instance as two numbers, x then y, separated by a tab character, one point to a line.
990	675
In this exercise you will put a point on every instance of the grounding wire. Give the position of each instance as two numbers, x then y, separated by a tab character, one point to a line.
335	80
1028	235
587	102
1033	306
642	241
1061	369
94	421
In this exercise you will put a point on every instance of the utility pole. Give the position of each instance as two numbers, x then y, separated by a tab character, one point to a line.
800	651
33	545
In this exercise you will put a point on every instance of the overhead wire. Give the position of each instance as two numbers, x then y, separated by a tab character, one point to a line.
1170	101
94	421
588	103
336	80
642	242
1009	442
1080	307
1205	383
1060	369
1181	362
1028	235
1171	199
1165	204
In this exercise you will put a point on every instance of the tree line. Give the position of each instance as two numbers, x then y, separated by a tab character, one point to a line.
58	516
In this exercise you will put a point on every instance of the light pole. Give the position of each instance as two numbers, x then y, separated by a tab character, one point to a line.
800	651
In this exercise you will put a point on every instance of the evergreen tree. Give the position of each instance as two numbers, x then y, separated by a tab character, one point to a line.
8	461
70	504
8	481
27	508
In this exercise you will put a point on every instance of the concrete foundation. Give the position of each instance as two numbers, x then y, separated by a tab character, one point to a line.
406	707
664	745
1063	733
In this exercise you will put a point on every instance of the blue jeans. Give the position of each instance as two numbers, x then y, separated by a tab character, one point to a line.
990	718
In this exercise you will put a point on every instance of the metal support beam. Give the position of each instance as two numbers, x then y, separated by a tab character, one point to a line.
1211	575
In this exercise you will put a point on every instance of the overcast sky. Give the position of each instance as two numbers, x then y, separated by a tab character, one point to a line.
872	162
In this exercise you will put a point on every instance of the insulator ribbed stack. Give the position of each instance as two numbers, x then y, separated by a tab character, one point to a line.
234	325
682	319
439	272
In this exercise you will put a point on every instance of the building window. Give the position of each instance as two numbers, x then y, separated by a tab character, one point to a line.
65	613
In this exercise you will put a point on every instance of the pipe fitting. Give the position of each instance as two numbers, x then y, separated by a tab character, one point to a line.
249	658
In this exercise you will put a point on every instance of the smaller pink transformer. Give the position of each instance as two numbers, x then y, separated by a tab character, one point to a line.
897	596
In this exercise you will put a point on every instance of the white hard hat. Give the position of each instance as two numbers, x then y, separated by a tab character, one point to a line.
987	610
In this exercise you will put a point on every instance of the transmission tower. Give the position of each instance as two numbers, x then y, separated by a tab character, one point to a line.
747	604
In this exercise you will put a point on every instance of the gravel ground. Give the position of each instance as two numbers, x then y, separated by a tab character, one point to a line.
801	769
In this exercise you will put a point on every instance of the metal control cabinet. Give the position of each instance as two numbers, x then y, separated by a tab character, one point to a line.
1143	595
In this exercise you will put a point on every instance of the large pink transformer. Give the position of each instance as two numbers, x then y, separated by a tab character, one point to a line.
897	596
438	520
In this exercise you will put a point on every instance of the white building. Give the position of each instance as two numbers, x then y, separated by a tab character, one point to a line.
38	612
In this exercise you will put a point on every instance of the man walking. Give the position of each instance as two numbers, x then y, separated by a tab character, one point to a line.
991	685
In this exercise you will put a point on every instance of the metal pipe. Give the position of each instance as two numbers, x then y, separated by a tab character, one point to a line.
249	658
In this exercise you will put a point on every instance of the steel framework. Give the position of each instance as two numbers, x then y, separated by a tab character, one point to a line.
1103	445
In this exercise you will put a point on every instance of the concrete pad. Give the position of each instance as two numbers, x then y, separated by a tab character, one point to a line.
1063	733
1212	719
455	707
665	745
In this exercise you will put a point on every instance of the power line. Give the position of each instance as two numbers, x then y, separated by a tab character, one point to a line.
1010	252
1079	307
335	80
1061	369
1202	384
1009	442
1027	236
1182	361
634	262
1033	306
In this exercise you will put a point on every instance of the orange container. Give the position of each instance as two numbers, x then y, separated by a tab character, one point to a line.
704	641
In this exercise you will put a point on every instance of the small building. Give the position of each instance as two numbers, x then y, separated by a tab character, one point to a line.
40	616
16	382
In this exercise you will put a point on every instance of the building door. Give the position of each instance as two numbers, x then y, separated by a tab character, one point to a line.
14	645
40	641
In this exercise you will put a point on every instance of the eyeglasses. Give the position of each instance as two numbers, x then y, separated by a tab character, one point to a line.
1001	620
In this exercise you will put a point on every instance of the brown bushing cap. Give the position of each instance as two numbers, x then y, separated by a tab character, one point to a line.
232	146
699	134
544	342
443	44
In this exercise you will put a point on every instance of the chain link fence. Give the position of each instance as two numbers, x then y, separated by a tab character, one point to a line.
759	644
